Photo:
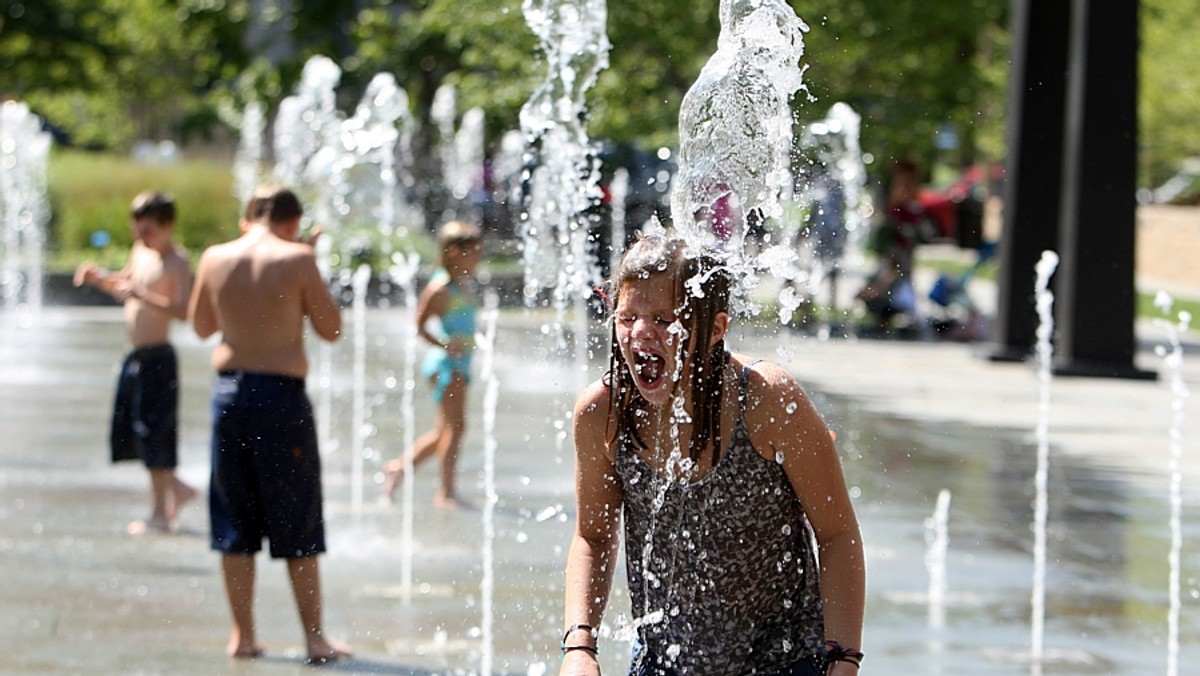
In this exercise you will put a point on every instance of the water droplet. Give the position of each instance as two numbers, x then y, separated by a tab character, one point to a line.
787	529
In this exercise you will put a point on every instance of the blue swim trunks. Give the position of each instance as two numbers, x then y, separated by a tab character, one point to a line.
439	368
266	471
146	409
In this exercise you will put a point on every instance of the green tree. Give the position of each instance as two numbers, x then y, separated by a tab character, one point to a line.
111	71
1169	100
910	67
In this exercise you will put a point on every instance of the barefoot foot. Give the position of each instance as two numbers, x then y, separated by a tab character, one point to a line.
393	471
183	495
323	651
151	526
244	652
453	502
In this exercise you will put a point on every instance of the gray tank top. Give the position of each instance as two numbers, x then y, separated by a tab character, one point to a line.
722	571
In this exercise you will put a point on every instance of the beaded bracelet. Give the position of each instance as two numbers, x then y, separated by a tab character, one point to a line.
835	652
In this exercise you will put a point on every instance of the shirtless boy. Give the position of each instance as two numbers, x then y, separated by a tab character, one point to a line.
154	288
257	291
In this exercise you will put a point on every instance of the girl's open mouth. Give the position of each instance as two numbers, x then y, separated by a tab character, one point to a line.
649	369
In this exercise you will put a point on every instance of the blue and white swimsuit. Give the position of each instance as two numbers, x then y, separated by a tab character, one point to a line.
458	325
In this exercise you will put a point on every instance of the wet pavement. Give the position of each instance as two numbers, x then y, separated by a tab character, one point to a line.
913	418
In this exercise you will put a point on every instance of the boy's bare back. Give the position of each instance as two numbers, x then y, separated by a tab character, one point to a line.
257	290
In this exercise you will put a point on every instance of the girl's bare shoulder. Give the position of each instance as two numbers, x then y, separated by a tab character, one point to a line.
593	400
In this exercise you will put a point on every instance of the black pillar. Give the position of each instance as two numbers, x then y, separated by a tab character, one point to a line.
1037	93
1095	294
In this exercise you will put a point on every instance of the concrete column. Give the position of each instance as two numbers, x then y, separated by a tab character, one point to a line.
1095	294
1036	109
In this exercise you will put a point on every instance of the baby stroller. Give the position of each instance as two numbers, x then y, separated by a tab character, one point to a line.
956	316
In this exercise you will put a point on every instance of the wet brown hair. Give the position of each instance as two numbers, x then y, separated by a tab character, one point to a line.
273	204
158	206
653	255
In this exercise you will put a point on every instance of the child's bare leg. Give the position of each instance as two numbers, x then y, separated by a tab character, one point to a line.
393	470
181	494
306	587
239	572
160	494
453	415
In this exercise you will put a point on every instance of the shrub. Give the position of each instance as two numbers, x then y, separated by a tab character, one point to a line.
90	195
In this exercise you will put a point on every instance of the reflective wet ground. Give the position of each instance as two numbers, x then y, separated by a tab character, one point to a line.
81	595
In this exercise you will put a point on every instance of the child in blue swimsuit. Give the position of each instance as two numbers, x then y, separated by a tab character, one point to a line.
449	297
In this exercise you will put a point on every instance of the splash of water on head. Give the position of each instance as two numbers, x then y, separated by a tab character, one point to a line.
735	129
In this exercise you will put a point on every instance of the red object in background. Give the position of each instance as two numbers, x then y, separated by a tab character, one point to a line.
941	209
942	205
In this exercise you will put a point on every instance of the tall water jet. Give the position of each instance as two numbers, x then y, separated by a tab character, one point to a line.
305	123
564	184
361	278
735	132
404	273
486	342
619	191
937	538
24	154
830	199
247	162
467	178
1045	356
1173	359
370	141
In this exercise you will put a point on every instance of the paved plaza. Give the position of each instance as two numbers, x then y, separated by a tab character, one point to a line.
914	419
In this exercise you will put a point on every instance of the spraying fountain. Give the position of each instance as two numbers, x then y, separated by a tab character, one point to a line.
24	210
1173	360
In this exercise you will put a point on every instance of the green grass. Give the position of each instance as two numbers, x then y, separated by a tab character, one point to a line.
90	194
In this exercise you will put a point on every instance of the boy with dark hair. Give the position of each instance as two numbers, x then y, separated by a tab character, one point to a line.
258	291
154	287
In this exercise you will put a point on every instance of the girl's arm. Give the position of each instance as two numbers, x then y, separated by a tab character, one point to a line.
790	425
432	303
593	551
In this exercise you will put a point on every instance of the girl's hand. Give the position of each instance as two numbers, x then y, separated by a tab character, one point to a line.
456	347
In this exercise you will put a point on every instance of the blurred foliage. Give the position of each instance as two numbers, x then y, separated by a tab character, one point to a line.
90	196
1169	100
110	72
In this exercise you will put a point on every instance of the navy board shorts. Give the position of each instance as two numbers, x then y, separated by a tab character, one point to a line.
266	471
145	416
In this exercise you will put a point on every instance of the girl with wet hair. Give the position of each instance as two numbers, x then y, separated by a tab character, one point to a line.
742	549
